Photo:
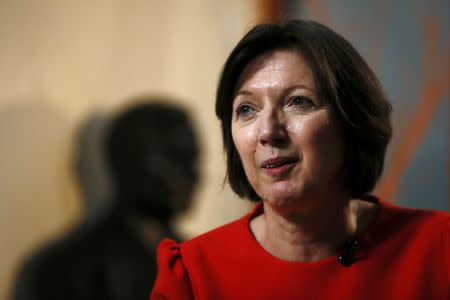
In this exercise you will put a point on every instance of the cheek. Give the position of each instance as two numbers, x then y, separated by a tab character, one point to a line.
327	144
318	139
295	128
244	138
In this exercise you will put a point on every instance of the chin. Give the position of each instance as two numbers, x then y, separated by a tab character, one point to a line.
287	205
284	194
282	199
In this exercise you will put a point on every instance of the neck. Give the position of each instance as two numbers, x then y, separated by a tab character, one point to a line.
308	236
149	230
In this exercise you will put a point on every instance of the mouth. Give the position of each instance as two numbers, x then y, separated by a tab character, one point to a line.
279	166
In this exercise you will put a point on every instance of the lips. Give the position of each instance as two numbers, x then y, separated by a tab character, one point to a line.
279	165
277	162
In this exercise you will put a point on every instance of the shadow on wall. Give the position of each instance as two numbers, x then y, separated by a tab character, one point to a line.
89	165
146	159
33	140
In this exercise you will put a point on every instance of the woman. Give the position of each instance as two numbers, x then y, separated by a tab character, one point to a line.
305	126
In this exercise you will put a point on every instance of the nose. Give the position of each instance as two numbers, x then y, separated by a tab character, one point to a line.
273	129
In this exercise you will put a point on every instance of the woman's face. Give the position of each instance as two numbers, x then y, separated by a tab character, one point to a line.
287	138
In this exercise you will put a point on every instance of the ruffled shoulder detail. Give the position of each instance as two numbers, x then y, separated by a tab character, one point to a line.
172	281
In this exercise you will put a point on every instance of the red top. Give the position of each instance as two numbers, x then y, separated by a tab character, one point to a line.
404	254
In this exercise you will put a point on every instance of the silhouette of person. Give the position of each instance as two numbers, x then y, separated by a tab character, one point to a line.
151	150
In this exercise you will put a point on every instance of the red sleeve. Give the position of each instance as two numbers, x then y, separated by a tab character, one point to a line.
172	281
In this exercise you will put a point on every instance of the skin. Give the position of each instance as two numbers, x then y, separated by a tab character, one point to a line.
292	151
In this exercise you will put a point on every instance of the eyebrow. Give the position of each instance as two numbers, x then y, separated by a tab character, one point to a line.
286	91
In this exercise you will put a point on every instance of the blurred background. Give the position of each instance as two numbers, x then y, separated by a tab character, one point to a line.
63	62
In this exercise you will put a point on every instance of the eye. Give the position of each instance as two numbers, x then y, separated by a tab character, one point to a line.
243	110
302	102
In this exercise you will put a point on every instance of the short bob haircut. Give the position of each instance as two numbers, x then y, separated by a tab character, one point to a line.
344	80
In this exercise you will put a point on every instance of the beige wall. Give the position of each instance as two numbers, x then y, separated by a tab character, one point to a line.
61	60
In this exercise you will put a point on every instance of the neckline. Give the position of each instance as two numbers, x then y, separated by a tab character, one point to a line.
363	239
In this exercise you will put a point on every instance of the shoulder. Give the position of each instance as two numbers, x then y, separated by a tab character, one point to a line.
424	228
218	237
178	263
213	243
425	219
172	281
38	272
39	275
421	236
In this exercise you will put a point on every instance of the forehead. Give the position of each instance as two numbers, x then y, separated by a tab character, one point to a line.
278	68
